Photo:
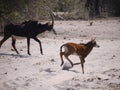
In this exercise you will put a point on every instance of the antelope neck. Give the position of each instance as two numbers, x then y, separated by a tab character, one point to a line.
89	47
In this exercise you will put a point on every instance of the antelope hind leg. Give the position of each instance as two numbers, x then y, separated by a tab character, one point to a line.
13	44
61	56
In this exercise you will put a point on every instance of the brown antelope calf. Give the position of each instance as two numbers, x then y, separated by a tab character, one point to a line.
82	50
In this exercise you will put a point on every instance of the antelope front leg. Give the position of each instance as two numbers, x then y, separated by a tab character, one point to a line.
82	63
28	45
36	39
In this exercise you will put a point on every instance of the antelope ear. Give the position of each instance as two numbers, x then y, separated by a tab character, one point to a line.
49	23
93	39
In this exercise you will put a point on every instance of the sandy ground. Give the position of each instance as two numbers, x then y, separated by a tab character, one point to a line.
43	72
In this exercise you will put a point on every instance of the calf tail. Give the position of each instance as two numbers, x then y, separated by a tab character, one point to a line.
61	48
61	54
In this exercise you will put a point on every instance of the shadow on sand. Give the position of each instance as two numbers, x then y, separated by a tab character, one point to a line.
14	55
68	67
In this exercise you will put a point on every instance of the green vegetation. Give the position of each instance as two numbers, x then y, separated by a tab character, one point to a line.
16	11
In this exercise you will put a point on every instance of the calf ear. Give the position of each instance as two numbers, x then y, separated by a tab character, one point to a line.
93	39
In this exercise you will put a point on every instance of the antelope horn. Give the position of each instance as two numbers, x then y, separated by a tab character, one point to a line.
92	39
51	14
52	17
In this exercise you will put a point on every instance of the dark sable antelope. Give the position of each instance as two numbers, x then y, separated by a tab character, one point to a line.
28	29
82	50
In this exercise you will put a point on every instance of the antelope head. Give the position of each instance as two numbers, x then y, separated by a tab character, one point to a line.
94	42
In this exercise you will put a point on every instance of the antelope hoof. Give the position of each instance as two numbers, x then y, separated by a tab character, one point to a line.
29	54
18	53
72	64
61	64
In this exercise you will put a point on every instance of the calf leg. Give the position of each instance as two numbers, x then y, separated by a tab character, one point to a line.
61	55
66	56
82	64
76	63
13	44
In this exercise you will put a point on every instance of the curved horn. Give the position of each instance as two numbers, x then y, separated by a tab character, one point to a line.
92	39
52	17
51	14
